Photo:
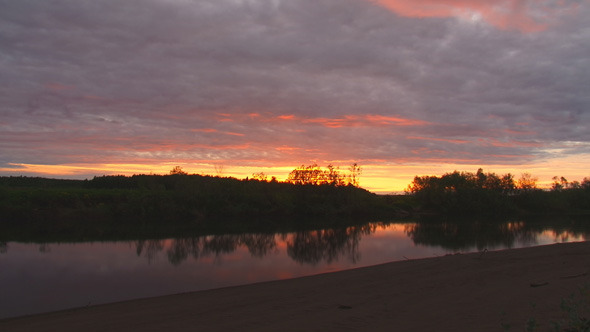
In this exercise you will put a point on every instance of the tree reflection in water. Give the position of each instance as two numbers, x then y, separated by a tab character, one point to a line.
182	248
462	235
465	234
179	250
150	247
309	247
260	246
328	245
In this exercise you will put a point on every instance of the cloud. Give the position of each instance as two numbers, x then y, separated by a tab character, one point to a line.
283	82
523	15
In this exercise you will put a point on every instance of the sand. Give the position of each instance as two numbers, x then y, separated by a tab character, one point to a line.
467	292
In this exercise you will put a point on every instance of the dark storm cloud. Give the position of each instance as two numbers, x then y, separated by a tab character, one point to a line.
86	81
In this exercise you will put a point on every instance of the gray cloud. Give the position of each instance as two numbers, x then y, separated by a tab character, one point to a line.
87	81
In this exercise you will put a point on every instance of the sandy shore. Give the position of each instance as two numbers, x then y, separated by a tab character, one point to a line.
474	292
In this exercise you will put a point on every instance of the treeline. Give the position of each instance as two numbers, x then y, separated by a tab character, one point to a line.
157	205
314	174
154	204
466	193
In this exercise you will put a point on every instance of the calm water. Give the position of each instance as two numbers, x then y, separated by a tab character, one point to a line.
45	277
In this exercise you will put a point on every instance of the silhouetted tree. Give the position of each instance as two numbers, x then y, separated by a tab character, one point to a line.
559	183
526	182
333	176
219	169
177	170
260	176
355	174
313	174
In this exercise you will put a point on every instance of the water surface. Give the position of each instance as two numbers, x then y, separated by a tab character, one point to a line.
37	278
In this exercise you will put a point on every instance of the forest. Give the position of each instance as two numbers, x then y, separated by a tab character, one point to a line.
149	205
117	206
489	194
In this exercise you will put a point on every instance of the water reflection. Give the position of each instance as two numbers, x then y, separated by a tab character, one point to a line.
464	234
330	245
51	276
305	247
259	245
458	236
178	250
150	248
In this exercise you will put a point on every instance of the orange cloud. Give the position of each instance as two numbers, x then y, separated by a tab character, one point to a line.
206	130
224	117
388	120
347	121
369	120
456	141
286	148
234	134
521	15
212	130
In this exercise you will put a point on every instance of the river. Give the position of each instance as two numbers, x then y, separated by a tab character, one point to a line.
43	277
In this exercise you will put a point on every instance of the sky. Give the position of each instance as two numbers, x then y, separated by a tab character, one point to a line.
236	87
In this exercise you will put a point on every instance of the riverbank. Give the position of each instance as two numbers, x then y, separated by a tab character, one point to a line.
482	291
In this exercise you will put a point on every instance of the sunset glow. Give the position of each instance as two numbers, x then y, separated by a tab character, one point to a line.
233	88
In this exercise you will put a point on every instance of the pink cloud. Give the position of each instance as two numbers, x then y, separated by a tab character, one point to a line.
57	87
510	144
520	132
206	130
526	16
